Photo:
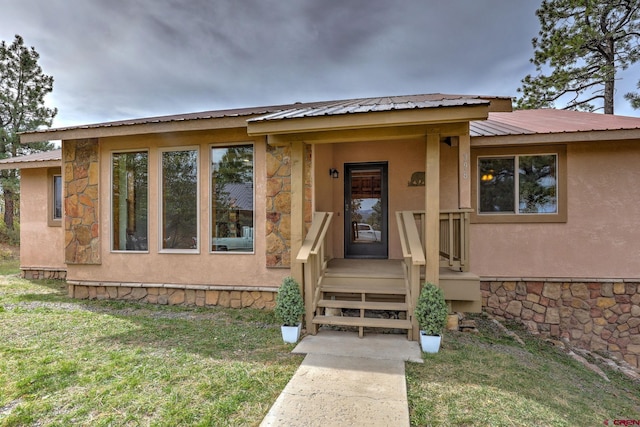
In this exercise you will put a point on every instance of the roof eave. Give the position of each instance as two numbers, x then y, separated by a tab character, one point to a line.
107	130
556	138
31	165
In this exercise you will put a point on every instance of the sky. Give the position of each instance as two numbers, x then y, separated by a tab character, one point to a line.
123	59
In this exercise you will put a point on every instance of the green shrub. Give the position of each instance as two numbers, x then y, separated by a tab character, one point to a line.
289	303
11	237
431	311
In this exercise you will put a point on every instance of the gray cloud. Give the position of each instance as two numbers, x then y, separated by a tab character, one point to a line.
123	58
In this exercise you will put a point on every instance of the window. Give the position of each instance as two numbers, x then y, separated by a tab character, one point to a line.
179	206
232	198
129	189
525	187
57	197
54	206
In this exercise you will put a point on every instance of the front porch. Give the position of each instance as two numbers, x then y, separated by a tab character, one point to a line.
381	293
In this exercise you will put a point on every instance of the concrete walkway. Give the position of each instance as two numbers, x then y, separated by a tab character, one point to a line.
347	381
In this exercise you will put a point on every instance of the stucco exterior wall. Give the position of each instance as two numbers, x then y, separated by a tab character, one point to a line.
601	238
203	268
404	158
41	244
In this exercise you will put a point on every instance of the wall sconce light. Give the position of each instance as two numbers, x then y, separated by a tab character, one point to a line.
333	173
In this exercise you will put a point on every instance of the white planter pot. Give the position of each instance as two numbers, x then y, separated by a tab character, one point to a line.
430	343
291	334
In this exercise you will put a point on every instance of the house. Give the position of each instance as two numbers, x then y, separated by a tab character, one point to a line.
529	215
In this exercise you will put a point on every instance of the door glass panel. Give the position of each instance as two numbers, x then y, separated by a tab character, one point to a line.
365	206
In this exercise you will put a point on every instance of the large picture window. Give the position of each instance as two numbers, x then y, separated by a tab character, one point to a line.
518	184
129	189
179	208
527	186
232	199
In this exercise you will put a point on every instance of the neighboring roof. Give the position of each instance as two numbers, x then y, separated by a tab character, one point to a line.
38	160
240	195
238	117
550	121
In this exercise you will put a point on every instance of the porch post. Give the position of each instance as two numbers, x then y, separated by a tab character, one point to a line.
297	208
464	171
432	209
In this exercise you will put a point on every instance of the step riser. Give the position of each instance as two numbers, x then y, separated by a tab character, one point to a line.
364	281
365	322
364	305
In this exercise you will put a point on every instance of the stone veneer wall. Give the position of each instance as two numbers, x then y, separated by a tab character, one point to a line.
278	198
81	204
43	273
171	294
598	315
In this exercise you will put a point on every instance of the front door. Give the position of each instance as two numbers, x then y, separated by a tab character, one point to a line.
366	215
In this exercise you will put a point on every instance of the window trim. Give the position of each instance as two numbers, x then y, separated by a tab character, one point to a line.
133	150
210	197
162	150
52	221
502	217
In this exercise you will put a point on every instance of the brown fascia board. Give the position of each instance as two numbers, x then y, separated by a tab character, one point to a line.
107	130
31	165
369	120
500	105
555	138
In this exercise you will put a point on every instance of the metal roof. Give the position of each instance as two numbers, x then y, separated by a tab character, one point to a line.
300	109
549	121
32	160
370	105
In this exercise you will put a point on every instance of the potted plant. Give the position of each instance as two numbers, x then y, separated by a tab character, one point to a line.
289	309
431	313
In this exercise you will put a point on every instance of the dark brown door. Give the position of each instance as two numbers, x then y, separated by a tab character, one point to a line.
366	215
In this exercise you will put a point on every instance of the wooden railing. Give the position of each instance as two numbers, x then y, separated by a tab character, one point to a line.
414	259
314	258
453	247
454	237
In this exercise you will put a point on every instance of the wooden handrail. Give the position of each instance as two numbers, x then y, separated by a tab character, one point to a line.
414	259
314	258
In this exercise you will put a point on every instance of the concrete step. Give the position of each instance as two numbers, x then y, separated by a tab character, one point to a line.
366	305
367	322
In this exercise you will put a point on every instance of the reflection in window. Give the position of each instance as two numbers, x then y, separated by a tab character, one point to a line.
180	199
57	197
129	197
533	190
366	206
232	198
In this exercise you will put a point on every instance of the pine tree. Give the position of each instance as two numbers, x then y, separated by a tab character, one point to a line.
23	87
584	43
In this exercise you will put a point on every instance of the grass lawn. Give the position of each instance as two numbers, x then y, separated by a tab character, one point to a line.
100	363
69	362
488	379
